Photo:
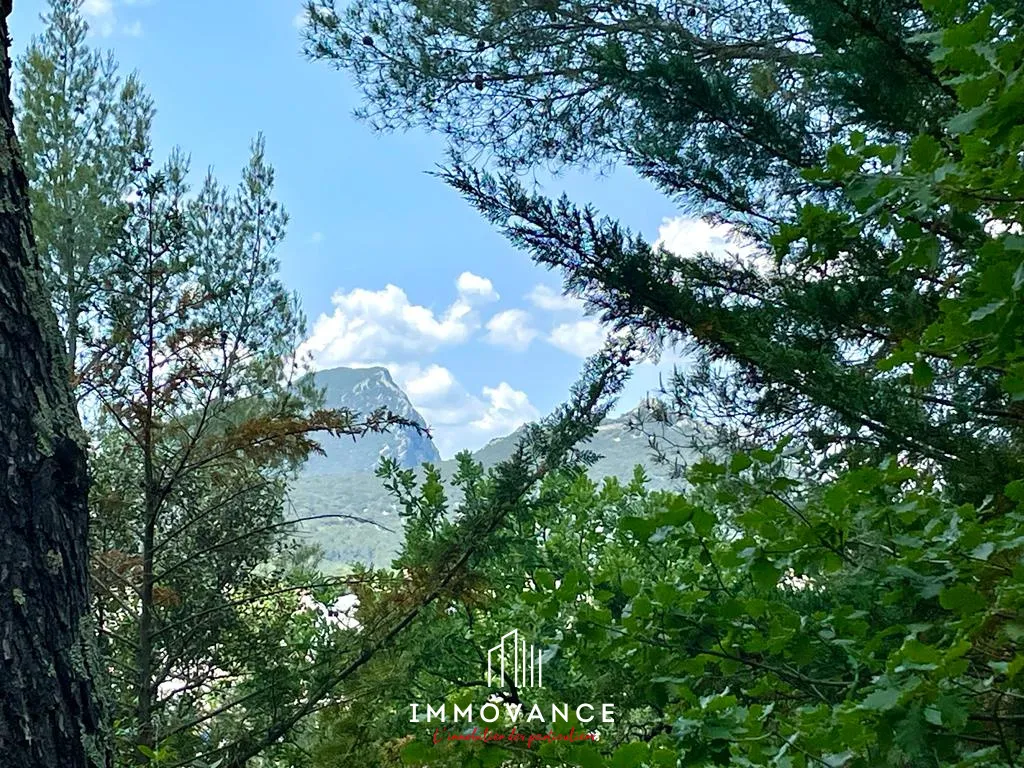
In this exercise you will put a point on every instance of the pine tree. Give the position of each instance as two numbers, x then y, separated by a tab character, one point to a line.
202	419
185	340
725	108
85	138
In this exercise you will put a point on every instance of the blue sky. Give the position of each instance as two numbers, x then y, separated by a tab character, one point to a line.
392	266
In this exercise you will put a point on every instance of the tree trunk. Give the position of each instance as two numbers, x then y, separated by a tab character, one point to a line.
49	714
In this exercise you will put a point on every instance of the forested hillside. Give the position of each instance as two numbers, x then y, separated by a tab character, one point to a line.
349	514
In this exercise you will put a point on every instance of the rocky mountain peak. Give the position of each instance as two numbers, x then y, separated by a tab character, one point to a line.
365	390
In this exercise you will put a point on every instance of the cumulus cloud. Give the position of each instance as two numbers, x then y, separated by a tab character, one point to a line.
581	338
103	21
511	329
507	409
372	325
426	385
385	327
367	325
546	298
687	236
470	285
460	419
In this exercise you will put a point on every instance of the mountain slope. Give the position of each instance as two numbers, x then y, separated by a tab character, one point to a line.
620	448
357	521
365	390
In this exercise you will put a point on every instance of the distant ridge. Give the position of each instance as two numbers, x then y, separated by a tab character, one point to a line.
620	448
342	483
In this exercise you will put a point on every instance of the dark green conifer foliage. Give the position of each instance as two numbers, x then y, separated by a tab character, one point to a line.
723	108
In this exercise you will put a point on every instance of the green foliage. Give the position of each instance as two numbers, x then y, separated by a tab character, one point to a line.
762	618
843	587
84	133
725	109
197	428
956	194
349	517
188	379
353	518
399	604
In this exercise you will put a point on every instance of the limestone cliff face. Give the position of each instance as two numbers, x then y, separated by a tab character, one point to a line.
365	390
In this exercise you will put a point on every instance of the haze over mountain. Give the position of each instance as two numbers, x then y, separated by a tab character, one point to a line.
343	483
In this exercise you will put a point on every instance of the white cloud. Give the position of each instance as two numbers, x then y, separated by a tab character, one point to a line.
427	385
459	419
507	409
511	329
474	285
100	15
688	236
97	8
373	325
384	327
582	338
546	298
102	18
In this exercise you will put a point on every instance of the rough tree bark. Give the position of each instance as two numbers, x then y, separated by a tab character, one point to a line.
49	714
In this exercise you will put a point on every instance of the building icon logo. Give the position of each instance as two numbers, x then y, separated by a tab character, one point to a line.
512	657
